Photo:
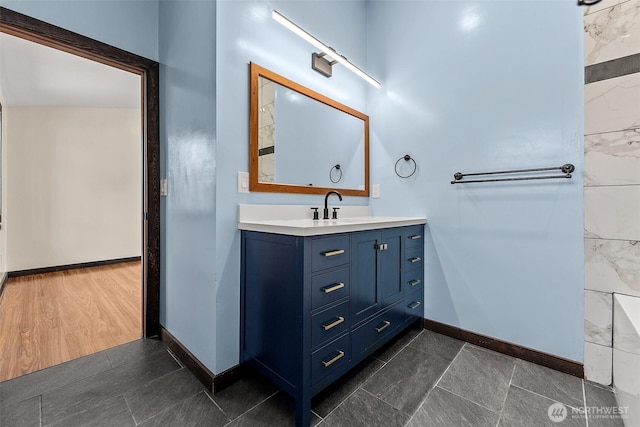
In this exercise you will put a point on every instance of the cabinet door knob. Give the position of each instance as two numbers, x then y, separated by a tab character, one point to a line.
334	359
335	287
384	326
333	324
333	253
382	246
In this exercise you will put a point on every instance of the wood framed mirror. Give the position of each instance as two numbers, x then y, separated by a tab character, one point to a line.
302	141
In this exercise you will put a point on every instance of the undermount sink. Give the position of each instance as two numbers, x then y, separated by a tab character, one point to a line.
291	220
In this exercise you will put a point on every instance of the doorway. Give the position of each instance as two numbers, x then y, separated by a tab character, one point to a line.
27	28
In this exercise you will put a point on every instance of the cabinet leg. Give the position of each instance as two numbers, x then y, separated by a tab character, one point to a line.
303	412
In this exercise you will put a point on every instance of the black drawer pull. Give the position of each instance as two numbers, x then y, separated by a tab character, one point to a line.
415	259
384	326
333	252
333	360
415	237
414	305
415	282
333	324
334	287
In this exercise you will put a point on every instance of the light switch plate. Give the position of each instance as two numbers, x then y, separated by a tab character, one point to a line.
243	182
164	187
375	191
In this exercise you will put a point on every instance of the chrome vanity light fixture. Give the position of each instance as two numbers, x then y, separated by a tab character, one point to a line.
323	61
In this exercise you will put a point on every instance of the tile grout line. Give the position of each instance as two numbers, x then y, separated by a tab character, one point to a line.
254	406
385	402
317	415
356	389
613	131
40	408
437	382
584	401
402	348
217	406
130	411
542	395
513	372
174	357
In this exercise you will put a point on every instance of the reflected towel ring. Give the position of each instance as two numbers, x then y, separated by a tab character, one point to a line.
338	169
407	158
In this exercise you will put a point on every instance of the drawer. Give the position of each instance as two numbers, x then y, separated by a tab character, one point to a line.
330	357
414	258
378	328
329	323
413	280
329	287
414	305
327	252
414	236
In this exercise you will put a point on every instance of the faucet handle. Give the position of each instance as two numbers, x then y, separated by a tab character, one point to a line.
315	214
335	213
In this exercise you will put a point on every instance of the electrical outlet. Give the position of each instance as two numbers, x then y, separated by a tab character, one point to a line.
164	187
375	191
243	182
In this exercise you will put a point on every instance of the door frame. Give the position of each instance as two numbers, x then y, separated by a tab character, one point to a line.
26	27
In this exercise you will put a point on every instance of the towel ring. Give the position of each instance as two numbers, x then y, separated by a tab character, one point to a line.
407	158
338	169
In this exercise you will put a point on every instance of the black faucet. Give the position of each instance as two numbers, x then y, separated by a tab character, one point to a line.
326	208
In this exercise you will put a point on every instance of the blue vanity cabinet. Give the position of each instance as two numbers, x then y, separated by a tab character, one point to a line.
312	307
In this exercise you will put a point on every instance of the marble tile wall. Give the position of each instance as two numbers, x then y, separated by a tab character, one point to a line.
611	177
266	127
613	32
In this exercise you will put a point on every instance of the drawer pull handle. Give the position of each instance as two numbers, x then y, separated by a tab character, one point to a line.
329	289
416	237
333	360
415	282
333	253
414	305
333	324
415	259
384	326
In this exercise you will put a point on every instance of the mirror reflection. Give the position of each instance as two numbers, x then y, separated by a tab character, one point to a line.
304	142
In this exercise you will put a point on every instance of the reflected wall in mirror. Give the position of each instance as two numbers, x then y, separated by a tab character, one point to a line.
304	142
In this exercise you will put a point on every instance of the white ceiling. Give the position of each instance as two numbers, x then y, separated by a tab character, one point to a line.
35	75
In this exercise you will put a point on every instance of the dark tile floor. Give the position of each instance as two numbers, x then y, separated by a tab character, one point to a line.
421	379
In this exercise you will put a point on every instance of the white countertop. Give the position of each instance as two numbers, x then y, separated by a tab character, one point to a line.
349	220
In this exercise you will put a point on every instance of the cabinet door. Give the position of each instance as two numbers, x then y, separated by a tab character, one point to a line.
390	279
365	298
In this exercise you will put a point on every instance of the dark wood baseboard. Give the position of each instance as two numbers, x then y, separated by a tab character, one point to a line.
71	266
191	362
211	381
226	378
3	280
550	361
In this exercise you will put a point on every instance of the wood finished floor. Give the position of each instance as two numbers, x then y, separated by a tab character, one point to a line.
47	319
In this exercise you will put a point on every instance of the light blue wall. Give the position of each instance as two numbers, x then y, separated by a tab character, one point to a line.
246	32
188	138
481	86
504	260
131	25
